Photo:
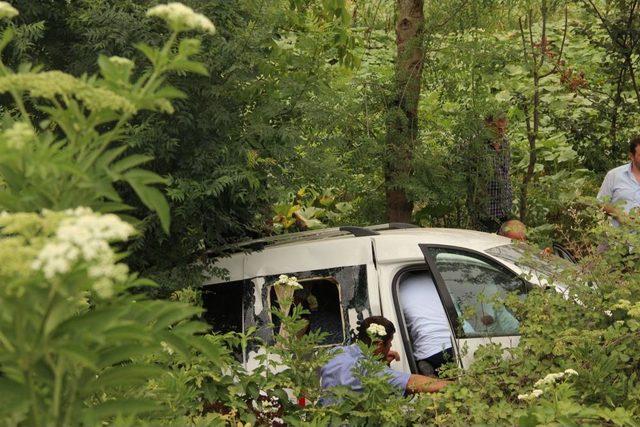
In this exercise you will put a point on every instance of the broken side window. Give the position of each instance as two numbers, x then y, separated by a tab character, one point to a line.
224	307
320	296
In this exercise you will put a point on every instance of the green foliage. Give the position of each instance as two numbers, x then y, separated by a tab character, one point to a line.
77	345
310	209
284	109
78	156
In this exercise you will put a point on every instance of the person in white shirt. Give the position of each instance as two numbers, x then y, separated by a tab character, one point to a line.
621	185
426	322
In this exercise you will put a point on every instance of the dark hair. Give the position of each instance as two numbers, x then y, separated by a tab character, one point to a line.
493	117
633	143
362	329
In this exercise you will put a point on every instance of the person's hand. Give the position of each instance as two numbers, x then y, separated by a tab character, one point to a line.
392	356
487	320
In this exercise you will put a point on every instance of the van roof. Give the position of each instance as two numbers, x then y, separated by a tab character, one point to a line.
322	234
453	235
347	246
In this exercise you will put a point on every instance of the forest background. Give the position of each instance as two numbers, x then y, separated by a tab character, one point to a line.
294	115
304	110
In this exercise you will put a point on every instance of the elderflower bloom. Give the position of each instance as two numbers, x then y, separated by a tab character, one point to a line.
285	280
181	18
84	236
530	396
7	11
18	134
166	347
119	60
549	379
50	84
570	372
103	287
376	330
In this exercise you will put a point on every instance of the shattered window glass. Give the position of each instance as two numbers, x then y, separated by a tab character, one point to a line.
321	298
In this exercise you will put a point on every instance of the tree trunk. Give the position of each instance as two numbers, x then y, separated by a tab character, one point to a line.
402	118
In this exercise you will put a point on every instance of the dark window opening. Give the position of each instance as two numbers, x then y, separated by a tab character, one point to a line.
224	307
321	298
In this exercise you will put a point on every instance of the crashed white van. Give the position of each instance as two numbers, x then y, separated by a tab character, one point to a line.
349	273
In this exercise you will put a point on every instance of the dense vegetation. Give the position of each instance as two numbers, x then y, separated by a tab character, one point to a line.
124	136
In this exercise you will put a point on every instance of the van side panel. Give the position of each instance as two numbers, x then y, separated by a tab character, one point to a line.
293	259
226	269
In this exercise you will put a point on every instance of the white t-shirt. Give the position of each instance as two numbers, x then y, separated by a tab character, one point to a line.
426	320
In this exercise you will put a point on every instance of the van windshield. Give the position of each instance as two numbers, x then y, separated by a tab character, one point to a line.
531	259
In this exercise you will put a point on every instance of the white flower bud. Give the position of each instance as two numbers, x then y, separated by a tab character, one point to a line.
7	11
180	17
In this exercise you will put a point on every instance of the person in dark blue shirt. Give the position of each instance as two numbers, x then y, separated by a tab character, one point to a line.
376	331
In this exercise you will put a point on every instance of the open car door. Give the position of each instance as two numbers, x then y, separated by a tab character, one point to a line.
471	286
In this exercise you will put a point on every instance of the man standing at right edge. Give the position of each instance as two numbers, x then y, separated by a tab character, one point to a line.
621	185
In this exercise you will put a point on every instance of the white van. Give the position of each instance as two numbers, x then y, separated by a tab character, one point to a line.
350	273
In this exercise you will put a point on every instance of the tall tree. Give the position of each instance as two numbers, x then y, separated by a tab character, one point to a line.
402	118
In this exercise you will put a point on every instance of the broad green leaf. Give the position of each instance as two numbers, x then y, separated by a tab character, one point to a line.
129	162
120	407
14	397
78	355
143	176
110	155
151	53
178	312
110	207
124	376
154	200
7	36
170	92
123	353
177	343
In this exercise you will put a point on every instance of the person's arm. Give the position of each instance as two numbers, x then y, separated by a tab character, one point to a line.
424	384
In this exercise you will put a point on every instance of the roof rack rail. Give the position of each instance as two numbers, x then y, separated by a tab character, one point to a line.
401	225
359	231
319	234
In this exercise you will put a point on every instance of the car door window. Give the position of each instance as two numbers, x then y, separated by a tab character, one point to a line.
477	287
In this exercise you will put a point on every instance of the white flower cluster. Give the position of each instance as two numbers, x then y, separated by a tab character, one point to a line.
119	60
85	236
288	281
376	330
265	404
552	378
166	347
18	135
546	381
180	17
7	11
530	396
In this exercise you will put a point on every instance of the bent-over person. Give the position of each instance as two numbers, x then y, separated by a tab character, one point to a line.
377	331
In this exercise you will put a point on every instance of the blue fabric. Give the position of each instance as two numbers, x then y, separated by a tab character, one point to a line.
621	186
339	370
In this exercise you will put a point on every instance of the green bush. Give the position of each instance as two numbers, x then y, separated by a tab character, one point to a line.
81	344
